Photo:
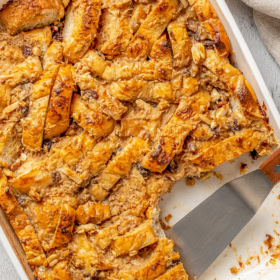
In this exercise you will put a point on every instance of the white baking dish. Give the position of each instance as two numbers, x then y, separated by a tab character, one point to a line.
183	198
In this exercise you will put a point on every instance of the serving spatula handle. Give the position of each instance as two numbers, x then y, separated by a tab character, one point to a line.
271	167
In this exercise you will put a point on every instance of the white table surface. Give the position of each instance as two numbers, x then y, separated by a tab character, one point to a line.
269	69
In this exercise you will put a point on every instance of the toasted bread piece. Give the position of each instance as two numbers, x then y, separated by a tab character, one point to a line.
53	56
178	272
26	16
96	94
45	216
145	37
31	174
173	134
9	144
5	97
236	82
139	14
57	120
92	212
65	226
61	271
100	155
91	119
218	35
181	44
80	28
243	142
84	254
71	150
203	9
152	266
21	225
115	34
33	125
95	63
158	68
135	240
119	166
130	90
143	121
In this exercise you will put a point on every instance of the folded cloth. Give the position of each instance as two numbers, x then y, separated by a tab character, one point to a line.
269	29
267	19
268	7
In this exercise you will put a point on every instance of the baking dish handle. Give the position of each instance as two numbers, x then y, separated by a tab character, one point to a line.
271	167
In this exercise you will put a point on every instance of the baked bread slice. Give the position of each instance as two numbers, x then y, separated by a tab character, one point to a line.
101	112
28	15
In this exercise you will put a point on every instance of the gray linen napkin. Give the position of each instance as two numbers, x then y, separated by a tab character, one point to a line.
267	19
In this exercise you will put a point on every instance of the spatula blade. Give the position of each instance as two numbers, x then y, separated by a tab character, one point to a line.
206	231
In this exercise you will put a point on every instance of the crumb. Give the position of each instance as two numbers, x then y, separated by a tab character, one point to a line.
268	242
163	225
206	175
243	168
168	218
218	175
278	197
254	155
230	245
190	181
234	270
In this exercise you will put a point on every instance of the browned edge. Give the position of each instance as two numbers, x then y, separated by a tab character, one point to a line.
15	244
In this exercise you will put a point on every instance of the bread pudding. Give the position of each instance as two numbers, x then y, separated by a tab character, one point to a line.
104	105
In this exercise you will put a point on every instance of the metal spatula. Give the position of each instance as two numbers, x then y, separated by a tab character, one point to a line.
206	231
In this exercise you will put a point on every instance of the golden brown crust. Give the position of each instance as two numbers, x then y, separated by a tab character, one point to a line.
115	34
173	134
91	119
135	240
80	27
146	36
26	16
53	55
181	45
119	166
21	225
65	226
152	266
33	125
92	212
236	82
232	147
57	120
